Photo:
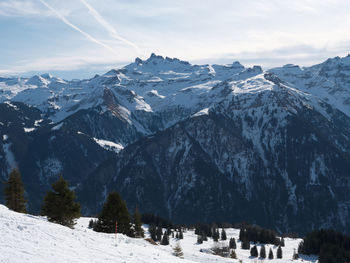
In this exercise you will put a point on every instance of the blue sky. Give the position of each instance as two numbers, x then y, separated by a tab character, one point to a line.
78	38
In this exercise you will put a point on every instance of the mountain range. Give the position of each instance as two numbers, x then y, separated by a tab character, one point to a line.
189	142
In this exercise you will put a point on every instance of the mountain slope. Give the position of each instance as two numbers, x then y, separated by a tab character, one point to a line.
267	154
175	137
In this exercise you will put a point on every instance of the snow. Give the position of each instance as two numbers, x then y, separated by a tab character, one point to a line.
108	145
27	238
202	112
57	127
37	122
5	137
29	129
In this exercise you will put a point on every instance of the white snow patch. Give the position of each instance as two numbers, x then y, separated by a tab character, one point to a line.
29	129
202	112
57	127
5	137
27	238
36	123
11	105
108	145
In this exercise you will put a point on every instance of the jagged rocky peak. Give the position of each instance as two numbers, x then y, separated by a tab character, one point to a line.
37	80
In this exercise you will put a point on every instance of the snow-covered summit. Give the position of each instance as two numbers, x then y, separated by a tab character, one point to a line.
159	84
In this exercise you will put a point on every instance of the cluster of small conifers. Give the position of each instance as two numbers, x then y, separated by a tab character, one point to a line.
248	234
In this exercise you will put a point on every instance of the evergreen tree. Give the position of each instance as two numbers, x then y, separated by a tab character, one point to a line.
241	234
177	250
181	235
177	235
14	191
262	252
199	239
204	237
165	240
216	235
245	244
279	252
270	254
159	233
223	234
114	211
59	205
91	224
254	252
138	224
152	230
232	243
282	242
233	254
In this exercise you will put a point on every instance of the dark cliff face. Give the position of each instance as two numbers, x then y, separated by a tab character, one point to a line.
269	159
42	151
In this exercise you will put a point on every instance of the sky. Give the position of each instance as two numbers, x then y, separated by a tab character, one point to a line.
81	38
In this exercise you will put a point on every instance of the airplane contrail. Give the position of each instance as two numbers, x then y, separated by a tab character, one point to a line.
67	22
107	25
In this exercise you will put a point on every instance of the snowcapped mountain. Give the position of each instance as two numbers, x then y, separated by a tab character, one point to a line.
247	144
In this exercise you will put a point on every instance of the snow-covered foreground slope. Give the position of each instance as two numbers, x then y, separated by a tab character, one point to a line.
26	238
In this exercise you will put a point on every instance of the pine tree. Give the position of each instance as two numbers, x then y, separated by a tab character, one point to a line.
114	210
14	191
282	242
138	224
254	252
204	237
223	234
241	234
159	233
233	254
245	244
270	254
165	240
152	230
262	252
216	235
177	250
59	205
279	252
91	224
181	235
177	235
232	243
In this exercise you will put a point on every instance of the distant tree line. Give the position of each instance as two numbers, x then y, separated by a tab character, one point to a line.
258	234
149	219
331	246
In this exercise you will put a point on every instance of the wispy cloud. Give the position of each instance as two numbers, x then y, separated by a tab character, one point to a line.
21	8
61	63
108	26
87	35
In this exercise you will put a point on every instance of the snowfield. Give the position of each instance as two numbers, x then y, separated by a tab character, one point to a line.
27	238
